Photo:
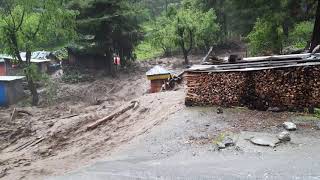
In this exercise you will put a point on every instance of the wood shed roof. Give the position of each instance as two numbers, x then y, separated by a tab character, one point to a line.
157	70
261	63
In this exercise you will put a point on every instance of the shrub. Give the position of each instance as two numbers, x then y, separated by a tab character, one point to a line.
75	75
265	38
301	34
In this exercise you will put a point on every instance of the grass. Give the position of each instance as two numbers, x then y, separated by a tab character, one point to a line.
145	51
317	112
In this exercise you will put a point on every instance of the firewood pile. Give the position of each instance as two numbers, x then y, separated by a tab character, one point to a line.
293	88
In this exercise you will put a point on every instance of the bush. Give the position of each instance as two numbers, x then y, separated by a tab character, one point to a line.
74	75
265	38
301	34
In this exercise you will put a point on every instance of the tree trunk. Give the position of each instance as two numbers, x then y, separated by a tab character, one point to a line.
186	59
31	84
33	90
315	41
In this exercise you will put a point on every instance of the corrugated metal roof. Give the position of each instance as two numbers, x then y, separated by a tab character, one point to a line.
36	57
256	65
157	70
11	78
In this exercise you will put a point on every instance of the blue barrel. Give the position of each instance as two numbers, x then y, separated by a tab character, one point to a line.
3	94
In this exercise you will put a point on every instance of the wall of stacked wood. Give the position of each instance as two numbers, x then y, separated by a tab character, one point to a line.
292	88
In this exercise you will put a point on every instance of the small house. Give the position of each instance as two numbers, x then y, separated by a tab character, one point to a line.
87	58
39	58
158	77
3	67
11	90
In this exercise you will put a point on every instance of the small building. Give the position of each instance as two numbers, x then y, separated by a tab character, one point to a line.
11	90
87	58
39	58
3	67
158	77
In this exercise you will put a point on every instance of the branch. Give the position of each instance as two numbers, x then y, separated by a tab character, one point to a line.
191	40
40	22
22	18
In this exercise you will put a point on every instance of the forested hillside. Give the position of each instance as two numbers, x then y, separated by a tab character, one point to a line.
268	27
143	29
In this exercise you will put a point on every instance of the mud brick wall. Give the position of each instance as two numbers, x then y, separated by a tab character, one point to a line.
293	88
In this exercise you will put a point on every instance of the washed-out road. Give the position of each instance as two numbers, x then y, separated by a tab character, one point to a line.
183	148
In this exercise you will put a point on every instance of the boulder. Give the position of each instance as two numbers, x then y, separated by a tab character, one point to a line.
318	125
221	145
265	141
290	126
228	141
284	136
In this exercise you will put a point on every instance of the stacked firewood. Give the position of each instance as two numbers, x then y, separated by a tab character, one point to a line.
290	88
214	89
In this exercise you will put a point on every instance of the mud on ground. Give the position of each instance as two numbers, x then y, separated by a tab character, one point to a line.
54	139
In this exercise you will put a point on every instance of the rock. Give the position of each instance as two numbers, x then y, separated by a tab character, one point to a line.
221	145
318	125
219	110
228	142
274	109
51	124
264	141
284	136
290	126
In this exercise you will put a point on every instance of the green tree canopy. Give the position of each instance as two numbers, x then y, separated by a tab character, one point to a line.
28	25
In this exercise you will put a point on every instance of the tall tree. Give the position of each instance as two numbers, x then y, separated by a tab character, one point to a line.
113	24
28	25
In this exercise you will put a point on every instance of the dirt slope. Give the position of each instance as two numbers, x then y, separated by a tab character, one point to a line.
54	140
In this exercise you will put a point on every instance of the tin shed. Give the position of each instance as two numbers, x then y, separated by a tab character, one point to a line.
11	90
158	76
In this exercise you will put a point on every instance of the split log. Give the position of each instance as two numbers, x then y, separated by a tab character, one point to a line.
206	58
24	112
13	115
133	104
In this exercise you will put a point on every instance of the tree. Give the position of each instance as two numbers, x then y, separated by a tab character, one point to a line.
315	40
194	28
185	31
113	26
28	25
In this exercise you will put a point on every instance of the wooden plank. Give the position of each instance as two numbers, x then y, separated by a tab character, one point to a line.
206	58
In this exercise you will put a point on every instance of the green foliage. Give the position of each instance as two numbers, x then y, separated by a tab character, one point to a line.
31	25
51	87
74	76
184	27
32	72
113	26
146	51
265	38
161	35
301	34
208	30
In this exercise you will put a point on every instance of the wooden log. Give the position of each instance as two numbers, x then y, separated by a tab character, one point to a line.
99	122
